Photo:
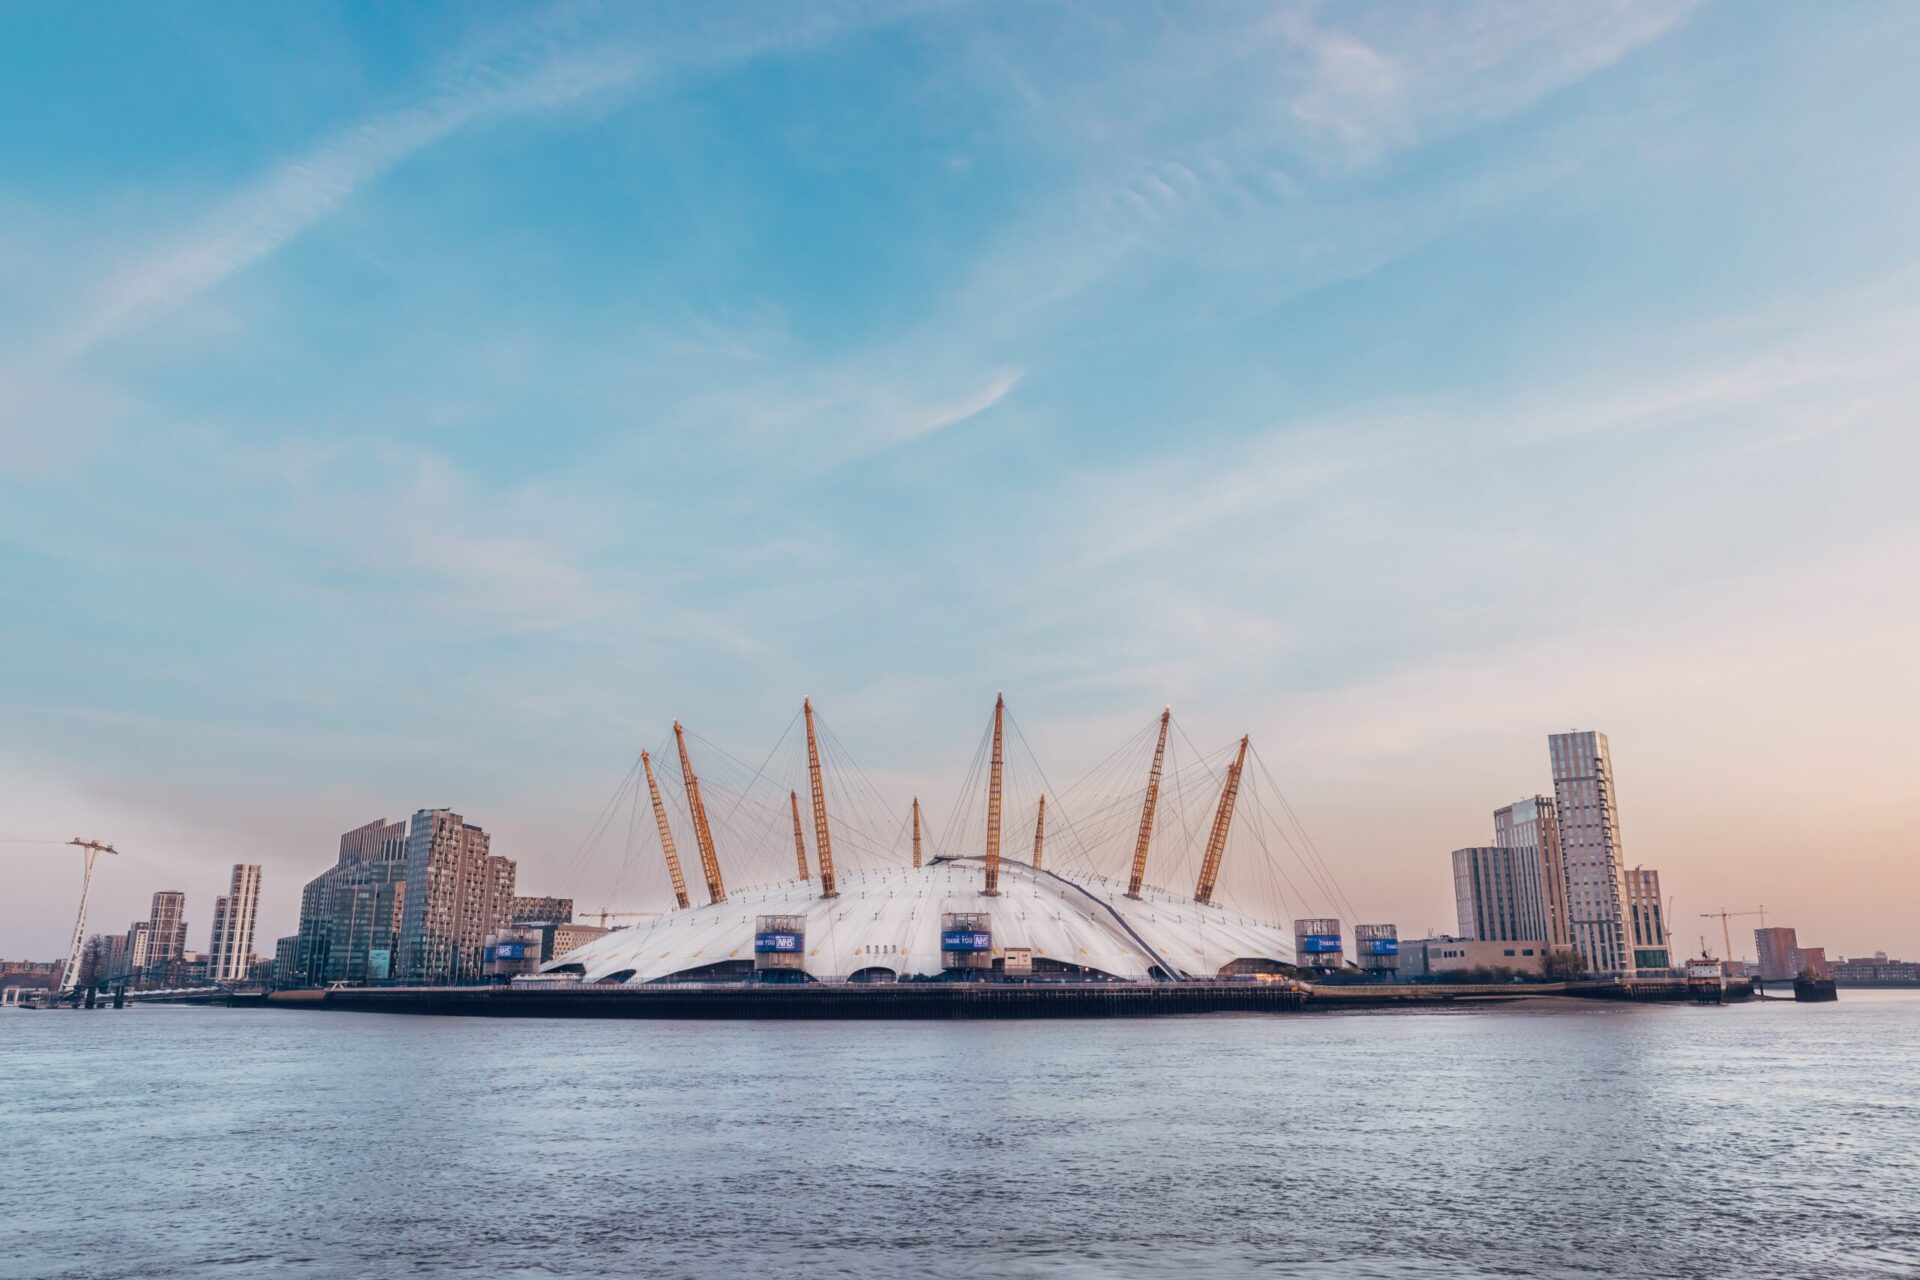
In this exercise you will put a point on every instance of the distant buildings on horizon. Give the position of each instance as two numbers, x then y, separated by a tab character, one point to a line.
153	952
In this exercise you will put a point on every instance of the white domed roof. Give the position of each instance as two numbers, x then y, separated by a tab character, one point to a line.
891	919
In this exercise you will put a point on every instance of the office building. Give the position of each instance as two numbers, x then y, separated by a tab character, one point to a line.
373	853
230	950
1531	825
1497	893
557	940
1775	948
1648	919
457	893
1587	810
287	971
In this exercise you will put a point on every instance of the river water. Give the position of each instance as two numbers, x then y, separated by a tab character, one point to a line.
1534	1140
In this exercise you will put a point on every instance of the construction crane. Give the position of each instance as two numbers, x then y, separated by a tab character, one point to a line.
93	849
604	916
1726	934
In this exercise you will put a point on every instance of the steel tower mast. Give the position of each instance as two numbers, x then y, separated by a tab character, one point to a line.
1222	821
666	834
702	834
799	839
822	838
93	848
993	801
1138	875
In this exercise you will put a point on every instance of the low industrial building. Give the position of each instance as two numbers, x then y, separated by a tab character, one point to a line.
1432	957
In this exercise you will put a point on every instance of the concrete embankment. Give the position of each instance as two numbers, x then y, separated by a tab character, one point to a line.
945	1000
917	1000
1372	994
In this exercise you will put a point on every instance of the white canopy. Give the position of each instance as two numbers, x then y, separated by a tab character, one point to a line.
891	919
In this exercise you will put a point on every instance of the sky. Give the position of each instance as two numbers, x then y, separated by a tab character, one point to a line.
423	405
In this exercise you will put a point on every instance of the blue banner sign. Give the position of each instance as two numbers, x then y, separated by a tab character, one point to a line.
510	951
965	940
1320	944
769	944
1383	946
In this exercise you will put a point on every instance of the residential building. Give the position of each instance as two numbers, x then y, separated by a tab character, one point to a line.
457	893
542	911
230	950
1648	920
1775	947
166	935
1878	970
1497	893
1531	824
1587	810
1431	957
1811	959
137	937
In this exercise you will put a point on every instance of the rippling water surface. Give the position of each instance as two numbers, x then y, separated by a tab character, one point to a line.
1537	1140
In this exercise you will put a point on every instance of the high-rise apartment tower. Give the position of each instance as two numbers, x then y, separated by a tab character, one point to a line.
1531	826
230	951
1589	819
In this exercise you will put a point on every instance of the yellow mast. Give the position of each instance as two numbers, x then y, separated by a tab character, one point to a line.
666	833
993	801
1222	819
702	834
916	831
1138	876
1039	833
799	841
822	839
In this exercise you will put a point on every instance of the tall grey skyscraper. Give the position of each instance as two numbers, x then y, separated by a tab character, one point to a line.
1589	820
456	894
1531	825
231	948
1496	893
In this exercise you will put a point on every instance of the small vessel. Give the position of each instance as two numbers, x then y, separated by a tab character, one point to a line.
1706	981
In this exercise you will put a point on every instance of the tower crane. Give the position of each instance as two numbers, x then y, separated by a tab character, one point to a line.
1726	935
605	916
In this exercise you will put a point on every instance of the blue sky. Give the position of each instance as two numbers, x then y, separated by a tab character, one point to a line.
417	405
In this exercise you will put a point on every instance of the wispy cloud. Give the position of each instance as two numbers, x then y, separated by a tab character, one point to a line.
549	62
